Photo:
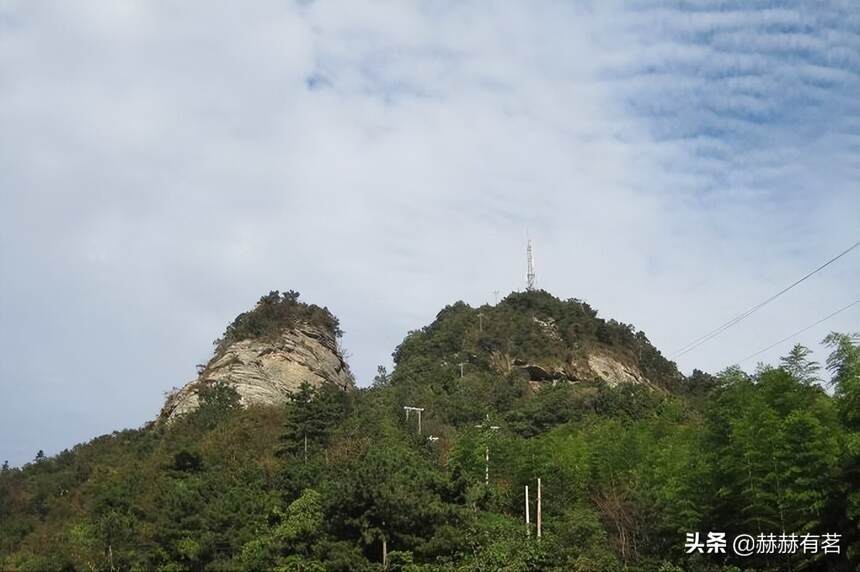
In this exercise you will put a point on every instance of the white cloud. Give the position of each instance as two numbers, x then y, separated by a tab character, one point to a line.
162	165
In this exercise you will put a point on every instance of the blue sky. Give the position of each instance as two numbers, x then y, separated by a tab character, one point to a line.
162	165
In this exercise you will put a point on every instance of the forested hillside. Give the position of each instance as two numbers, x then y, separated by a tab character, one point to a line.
340	480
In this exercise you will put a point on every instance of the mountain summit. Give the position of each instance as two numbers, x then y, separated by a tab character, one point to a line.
538	337
266	354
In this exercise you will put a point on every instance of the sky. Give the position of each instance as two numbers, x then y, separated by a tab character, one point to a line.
164	164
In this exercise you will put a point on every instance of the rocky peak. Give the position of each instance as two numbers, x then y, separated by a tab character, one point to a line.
267	369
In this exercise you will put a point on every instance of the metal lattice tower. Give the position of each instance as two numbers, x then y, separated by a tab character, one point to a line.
530	276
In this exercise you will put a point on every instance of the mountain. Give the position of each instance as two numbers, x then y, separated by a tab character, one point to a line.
266	354
273	460
540	338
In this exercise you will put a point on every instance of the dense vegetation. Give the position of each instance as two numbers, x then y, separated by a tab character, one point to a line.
533	327
274	313
333	479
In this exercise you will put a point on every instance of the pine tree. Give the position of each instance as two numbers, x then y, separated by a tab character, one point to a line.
382	378
311	414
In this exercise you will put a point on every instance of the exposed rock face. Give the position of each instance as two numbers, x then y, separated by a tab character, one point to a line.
613	371
594	365
597	365
267	372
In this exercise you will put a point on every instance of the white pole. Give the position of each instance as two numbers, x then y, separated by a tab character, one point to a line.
538	511
487	465
410	409
528	526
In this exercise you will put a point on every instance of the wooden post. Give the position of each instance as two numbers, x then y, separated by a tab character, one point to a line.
419	421
538	510
384	553
528	525
306	448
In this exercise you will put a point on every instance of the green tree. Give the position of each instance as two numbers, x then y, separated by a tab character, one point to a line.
290	543
218	401
798	364
807	457
274	313
390	498
844	365
311	414
382	378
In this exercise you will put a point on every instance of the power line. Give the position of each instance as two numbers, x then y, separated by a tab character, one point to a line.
720	329
797	333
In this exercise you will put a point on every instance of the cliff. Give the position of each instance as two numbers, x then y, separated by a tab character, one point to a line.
265	365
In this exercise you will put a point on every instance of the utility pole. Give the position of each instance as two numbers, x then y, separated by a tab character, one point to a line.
528	525
496	295
409	409
462	365
538	511
484	426
530	274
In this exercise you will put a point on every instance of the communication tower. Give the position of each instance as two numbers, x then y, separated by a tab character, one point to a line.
530	275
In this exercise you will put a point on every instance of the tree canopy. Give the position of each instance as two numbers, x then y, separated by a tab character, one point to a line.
340	480
274	313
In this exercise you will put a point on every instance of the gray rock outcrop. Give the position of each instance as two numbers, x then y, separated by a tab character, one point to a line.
267	372
595	365
613	371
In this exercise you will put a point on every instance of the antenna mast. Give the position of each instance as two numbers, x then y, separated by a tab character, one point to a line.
530	276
